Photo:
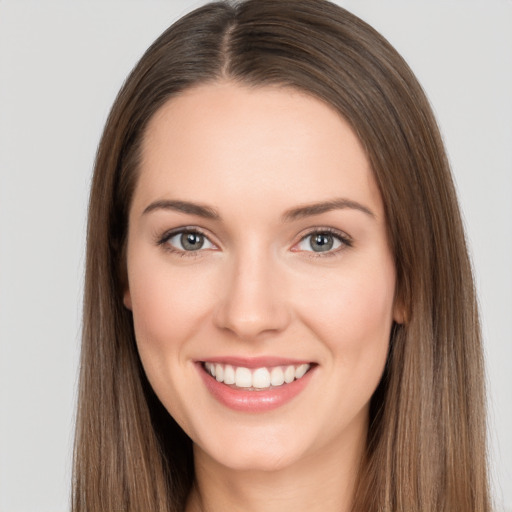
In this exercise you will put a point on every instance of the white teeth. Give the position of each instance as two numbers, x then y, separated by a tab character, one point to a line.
277	376
260	378
243	378
289	374
229	374
219	372
210	368
301	370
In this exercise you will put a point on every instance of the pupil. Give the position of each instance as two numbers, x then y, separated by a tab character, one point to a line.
192	241
322	242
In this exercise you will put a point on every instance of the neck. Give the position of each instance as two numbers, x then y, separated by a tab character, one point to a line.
324	482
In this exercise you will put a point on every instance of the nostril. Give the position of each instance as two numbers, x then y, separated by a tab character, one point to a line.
252	301
248	321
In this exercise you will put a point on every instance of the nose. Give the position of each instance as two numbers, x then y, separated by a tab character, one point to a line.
253	301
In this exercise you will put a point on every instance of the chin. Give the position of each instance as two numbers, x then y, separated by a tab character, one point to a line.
249	451
259	461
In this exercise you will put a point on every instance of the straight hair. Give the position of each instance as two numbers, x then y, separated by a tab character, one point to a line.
426	446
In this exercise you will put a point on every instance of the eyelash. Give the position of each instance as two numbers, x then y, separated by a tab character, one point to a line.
163	239
345	240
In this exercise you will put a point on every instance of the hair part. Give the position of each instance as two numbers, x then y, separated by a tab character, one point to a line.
427	436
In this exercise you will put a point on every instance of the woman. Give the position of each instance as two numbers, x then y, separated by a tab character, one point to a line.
279	307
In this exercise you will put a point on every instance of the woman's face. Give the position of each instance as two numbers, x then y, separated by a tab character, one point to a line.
257	251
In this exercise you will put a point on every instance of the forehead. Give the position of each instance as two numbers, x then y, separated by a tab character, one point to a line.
223	141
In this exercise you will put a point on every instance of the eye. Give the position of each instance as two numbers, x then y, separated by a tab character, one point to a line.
188	240
322	241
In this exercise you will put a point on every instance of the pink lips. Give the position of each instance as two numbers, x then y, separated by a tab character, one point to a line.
256	362
254	401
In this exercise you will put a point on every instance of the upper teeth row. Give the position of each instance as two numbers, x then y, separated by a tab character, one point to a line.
258	378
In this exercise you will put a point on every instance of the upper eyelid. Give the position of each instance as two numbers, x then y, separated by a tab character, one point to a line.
184	229
345	240
163	240
343	236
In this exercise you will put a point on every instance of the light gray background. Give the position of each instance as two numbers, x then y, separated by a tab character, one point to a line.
61	63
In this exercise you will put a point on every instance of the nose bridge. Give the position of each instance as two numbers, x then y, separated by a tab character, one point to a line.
252	301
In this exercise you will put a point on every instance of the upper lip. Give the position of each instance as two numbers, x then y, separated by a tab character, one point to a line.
255	362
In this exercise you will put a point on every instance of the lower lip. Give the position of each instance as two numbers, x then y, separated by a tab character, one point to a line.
254	401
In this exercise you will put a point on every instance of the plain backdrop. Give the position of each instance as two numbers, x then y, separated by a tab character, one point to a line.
61	64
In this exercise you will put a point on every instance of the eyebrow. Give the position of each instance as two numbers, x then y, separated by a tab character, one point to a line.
323	207
183	207
290	215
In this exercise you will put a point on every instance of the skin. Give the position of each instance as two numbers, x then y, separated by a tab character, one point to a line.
257	288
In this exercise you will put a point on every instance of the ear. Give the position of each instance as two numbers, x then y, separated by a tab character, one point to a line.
127	299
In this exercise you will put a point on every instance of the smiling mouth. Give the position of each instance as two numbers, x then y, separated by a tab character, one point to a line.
256	379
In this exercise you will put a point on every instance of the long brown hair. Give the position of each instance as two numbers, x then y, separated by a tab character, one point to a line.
426	445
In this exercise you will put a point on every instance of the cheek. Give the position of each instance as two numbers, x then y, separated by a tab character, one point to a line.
168	305
352	313
165	300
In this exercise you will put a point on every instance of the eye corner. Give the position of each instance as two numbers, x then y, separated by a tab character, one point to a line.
183	247
333	241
